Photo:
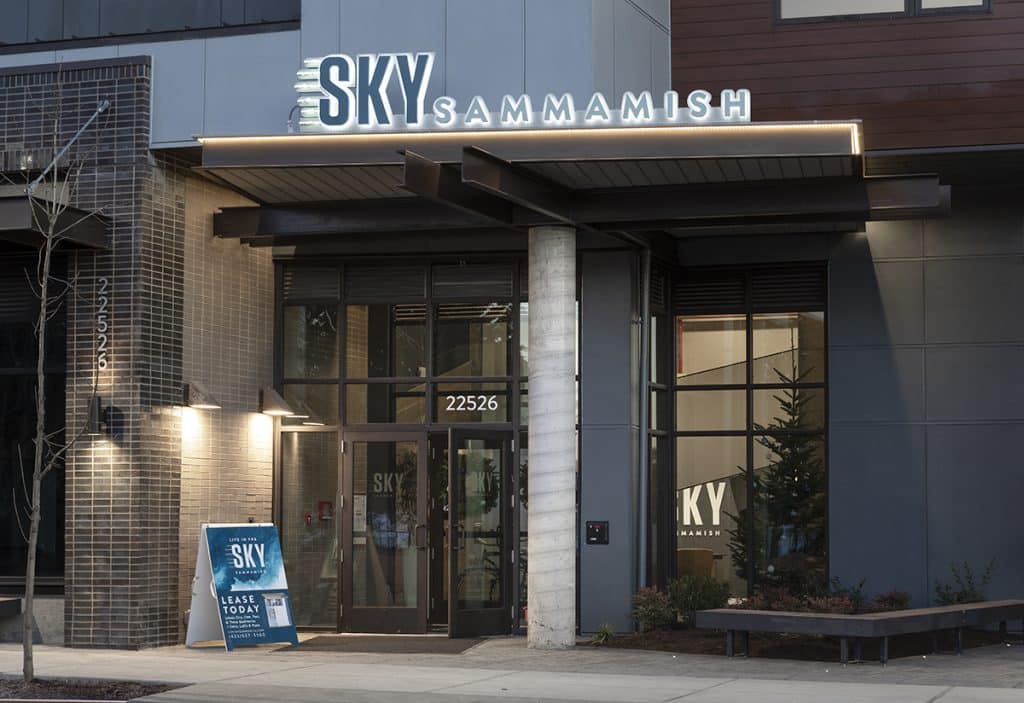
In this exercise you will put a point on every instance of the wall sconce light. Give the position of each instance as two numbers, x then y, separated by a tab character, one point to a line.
273	404
195	395
96	422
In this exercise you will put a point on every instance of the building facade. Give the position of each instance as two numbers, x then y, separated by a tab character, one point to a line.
523	372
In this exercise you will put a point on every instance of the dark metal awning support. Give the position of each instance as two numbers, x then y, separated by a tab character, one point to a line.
100	109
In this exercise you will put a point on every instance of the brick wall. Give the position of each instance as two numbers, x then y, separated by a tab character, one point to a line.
182	306
122	494
226	454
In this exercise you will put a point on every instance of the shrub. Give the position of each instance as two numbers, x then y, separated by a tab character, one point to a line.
854	593
690	593
893	600
652	608
774	598
839	605
605	632
964	589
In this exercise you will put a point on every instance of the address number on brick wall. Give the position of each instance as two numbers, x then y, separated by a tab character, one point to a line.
467	403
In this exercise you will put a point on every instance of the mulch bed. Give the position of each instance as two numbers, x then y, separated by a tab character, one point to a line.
793	646
77	689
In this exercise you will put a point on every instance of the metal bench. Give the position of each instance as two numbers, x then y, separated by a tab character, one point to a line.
859	627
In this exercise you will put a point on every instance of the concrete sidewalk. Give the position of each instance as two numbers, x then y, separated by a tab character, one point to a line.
506	669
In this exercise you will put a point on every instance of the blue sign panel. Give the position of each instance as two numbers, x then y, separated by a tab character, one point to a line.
250	584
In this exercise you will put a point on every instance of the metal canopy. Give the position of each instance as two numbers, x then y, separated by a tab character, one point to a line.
77	228
624	180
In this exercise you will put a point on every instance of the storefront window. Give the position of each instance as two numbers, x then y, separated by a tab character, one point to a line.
370	403
789	347
472	339
314	405
310	334
711	508
385	341
711	350
750	423
309	540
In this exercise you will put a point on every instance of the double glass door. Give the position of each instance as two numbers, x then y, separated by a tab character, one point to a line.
425	532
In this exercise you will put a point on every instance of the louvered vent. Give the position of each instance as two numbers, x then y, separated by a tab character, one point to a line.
473	281
698	293
659	290
772	289
384	282
789	289
308	283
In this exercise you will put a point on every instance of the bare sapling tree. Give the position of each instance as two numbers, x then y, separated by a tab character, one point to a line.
50	196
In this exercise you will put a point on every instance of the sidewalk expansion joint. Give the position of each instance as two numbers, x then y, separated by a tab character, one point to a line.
700	690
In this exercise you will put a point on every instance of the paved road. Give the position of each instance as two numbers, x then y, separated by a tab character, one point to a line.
505	669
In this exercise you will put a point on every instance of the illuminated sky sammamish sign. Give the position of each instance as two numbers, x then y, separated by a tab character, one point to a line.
342	93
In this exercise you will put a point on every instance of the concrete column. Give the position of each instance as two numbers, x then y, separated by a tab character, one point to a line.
552	438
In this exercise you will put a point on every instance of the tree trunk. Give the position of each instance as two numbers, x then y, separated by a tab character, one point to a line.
28	665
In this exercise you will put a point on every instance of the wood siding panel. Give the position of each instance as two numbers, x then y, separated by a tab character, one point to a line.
925	81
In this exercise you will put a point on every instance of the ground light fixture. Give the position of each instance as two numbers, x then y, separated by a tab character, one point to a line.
271	403
195	395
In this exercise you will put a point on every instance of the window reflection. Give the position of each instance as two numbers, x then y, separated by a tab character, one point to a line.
385	341
712	350
384	565
472	339
789	347
711	508
309	540
310	337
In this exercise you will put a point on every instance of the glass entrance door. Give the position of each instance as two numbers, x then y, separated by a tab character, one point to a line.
479	539
384	530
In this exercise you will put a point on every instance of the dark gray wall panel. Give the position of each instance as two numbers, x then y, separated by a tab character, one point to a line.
607	572
81	19
975	300
877	508
975	383
877	385
898	239
732	250
606	308
875	303
608	459
980	224
45	21
975	484
14	28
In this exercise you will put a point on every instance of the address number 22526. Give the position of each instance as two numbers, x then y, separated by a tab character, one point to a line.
462	403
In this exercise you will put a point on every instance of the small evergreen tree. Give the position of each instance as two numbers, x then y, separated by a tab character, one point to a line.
790	496
788	499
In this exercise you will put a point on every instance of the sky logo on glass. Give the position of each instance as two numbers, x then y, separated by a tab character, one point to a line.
356	90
